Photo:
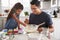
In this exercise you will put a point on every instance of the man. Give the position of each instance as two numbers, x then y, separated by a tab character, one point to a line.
37	17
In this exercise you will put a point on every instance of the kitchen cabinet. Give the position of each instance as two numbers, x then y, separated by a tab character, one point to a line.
2	21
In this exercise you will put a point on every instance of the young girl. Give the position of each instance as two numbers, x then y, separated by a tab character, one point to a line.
13	17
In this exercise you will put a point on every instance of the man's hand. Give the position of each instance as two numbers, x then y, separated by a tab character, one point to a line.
51	30
26	21
40	30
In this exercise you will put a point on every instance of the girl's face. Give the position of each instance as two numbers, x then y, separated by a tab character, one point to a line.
18	11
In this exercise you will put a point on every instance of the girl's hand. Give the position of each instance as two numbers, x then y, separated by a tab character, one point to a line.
24	25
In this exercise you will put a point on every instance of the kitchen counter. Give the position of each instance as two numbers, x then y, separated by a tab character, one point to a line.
3	17
31	36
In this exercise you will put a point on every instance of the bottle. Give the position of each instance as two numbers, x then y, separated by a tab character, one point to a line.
4	33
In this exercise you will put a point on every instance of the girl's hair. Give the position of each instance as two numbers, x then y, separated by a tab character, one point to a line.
13	10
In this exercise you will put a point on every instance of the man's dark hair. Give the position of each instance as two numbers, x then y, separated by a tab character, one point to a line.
35	2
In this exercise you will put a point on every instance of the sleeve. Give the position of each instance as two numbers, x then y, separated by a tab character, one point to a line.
49	20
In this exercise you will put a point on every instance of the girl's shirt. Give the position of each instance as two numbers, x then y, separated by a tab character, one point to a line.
11	23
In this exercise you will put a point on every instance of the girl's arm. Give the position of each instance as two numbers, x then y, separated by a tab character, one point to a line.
17	20
18	26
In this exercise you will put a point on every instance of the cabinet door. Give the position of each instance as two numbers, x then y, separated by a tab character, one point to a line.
1	25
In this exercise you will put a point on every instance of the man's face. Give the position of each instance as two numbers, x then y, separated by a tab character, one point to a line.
34	9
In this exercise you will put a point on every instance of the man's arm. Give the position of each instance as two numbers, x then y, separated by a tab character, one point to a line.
49	23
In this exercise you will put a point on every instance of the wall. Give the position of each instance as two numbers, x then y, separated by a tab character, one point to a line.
0	6
58	2
46	5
